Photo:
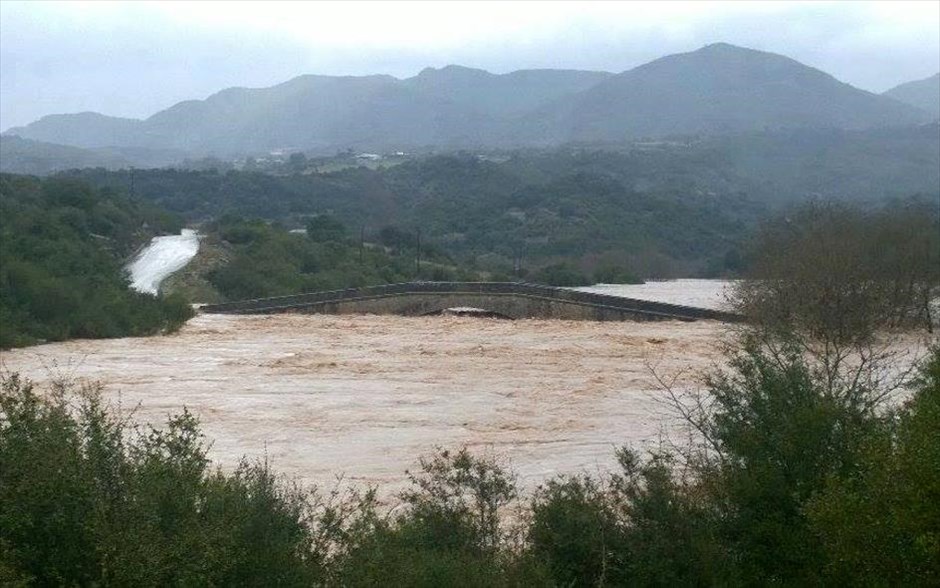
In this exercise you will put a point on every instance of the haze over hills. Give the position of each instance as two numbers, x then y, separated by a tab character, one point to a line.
717	89
25	156
924	94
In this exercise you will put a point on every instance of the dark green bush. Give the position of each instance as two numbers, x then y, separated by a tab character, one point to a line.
84	500
561	274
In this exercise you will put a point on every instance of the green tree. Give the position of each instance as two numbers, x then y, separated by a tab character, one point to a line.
890	503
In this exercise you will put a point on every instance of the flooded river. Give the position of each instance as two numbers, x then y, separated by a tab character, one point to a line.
689	292
364	396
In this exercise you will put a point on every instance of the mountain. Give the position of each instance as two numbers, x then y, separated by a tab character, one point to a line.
84	129
449	106
717	89
510	94
924	94
25	156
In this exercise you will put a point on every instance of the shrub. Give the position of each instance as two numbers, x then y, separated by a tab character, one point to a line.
84	500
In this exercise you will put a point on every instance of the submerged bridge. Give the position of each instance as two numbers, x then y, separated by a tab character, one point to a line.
503	299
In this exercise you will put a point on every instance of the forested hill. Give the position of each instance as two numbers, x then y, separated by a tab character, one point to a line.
62	248
673	216
719	89
924	94
683	204
25	156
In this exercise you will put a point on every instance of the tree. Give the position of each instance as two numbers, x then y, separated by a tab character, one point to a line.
86	500
323	228
838	283
837	274
297	162
891	500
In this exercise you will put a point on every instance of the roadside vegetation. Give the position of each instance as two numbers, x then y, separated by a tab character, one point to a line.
62	249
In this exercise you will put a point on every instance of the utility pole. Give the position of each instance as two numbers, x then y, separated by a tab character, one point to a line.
362	241
418	253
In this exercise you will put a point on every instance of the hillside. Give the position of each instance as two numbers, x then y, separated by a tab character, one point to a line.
654	217
62	249
18	155
449	106
717	89
83	129
924	94
25	156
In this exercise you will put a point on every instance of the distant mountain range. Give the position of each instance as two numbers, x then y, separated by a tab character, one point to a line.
718	89
25	156
924	94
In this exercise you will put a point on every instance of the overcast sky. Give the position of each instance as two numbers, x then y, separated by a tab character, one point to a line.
134	58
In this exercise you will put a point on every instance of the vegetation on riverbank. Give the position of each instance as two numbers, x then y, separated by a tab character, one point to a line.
265	259
792	482
648	215
62	249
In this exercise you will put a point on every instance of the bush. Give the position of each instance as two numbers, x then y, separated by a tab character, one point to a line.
578	531
561	274
448	532
890	500
84	500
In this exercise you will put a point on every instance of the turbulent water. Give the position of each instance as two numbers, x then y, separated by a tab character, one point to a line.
689	292
161	258
365	396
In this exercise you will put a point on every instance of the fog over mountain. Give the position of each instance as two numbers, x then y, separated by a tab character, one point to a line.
132	59
924	94
25	156
719	88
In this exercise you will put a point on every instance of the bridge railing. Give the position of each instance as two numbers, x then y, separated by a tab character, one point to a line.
496	288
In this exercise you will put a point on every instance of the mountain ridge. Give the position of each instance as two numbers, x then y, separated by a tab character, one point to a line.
718	88
924	94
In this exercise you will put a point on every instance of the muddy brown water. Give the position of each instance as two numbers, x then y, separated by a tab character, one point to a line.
365	396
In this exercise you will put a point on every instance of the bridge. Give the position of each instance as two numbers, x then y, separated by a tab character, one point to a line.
503	299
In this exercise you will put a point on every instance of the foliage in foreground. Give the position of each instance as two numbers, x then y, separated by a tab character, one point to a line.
61	276
794	482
